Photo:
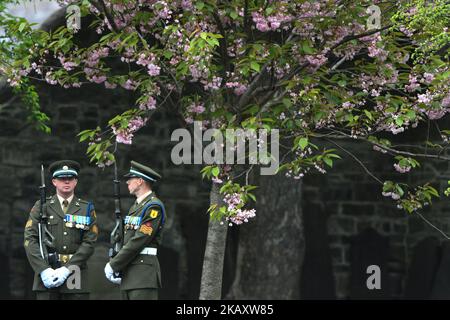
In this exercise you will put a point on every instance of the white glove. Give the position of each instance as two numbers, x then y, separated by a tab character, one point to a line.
115	279
48	277
109	273
61	275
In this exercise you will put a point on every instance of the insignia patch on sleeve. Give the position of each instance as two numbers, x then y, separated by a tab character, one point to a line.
153	214
95	229
146	228
29	223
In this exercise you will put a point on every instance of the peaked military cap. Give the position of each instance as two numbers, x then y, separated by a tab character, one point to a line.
138	170
64	169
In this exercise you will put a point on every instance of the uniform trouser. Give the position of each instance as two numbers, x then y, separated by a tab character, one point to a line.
140	294
54	295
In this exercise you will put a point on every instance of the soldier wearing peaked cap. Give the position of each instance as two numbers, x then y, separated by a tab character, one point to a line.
137	262
72	222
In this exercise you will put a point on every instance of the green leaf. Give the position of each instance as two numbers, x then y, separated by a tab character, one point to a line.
252	110
269	10
106	37
200	5
255	66
303	143
433	191
167	54
212	208
84	137
22	26
342	83
306	48
328	161
318	116
411	114
287	102
368	114
399	190
215	171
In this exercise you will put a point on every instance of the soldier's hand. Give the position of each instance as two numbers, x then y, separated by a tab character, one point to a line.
61	274
48	277
115	279
109	273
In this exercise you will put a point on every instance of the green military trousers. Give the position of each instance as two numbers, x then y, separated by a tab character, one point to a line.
140	294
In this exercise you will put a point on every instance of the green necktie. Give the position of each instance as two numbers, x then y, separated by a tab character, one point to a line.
65	205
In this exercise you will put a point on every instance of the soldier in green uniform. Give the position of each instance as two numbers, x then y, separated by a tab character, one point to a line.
136	266
72	222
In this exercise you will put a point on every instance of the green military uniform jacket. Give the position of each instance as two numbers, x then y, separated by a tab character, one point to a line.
140	271
68	240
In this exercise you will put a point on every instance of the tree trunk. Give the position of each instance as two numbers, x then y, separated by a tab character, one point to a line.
271	246
211	283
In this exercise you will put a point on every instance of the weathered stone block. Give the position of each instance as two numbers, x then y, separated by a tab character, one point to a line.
415	225
341	225
357	209
67	113
66	129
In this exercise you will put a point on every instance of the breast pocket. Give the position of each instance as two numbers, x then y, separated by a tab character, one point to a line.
54	226
75	235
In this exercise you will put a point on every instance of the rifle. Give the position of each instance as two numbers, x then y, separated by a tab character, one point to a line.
117	233
46	239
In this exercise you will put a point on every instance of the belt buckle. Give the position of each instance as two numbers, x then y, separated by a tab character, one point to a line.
64	258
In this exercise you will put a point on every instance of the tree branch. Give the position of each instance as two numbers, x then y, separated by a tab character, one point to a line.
357	36
246	97
101	7
356	159
390	149
223	44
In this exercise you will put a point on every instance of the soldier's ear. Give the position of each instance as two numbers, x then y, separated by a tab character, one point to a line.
54	182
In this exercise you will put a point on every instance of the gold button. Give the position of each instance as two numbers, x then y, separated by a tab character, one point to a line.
64	247
65	233
142	260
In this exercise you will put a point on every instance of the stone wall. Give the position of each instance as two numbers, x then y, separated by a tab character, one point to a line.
353	202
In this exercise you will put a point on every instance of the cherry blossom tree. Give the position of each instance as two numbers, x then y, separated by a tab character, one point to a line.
317	71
